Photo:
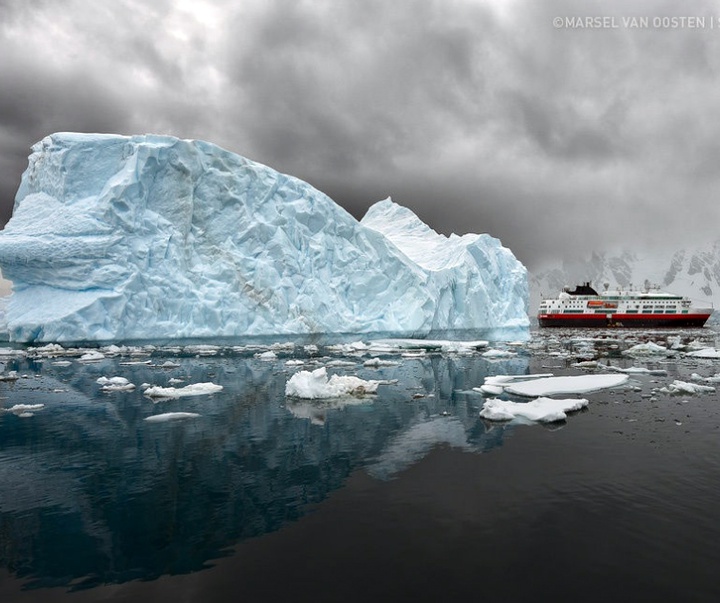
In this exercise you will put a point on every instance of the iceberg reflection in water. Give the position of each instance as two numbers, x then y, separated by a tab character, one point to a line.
93	493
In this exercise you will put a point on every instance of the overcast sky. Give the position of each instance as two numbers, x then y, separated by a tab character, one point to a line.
480	116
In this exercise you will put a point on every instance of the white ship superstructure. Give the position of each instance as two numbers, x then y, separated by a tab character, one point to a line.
585	307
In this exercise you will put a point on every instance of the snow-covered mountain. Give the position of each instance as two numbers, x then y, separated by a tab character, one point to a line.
693	271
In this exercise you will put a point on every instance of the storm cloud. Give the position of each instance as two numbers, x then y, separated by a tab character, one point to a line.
480	116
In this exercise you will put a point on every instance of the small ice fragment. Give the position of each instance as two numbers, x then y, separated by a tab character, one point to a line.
546	410
498	354
21	408
489	390
377	363
647	349
710	353
171	416
195	389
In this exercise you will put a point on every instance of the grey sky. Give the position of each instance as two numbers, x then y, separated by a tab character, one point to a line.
481	116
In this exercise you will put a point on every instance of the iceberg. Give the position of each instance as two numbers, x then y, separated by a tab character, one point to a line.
120	238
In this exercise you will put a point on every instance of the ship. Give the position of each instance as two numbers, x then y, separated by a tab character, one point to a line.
583	306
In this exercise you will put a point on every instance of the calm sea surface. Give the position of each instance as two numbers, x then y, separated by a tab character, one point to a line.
407	495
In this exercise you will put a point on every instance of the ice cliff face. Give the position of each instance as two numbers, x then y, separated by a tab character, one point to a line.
144	237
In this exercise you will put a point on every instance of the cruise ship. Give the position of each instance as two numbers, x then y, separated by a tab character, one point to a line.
585	307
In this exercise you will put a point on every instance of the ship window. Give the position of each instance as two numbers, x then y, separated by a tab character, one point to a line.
669	311
684	311
632	311
659	311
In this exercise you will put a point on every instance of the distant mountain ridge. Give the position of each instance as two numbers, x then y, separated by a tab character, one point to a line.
693	272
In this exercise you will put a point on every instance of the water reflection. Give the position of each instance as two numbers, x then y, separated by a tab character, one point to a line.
92	493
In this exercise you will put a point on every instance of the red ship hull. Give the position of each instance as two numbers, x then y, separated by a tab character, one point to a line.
622	320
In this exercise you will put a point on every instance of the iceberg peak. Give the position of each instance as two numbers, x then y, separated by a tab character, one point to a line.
143	237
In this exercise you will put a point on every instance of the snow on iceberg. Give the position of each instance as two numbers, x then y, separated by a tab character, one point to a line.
152	237
545	410
316	385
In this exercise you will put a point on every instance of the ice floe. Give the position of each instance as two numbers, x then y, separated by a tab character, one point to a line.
23	410
171	416
578	384
711	353
115	384
493	354
635	370
195	389
316	384
377	363
647	349
545	410
678	387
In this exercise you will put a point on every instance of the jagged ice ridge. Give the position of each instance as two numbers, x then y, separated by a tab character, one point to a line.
153	237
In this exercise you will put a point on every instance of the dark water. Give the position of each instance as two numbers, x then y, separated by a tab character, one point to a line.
403	496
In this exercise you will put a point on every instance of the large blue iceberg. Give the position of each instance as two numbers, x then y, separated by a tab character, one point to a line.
152	237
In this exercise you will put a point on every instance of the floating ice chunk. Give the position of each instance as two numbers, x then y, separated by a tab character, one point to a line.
506	379
62	363
269	355
440	345
92	356
377	363
493	354
634	370
711	353
171	416
490	390
678	387
294	362
195	389
647	349
168	364
316	384
9	376
586	364
47	351
115	384
341	363
546	410
24	408
580	384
